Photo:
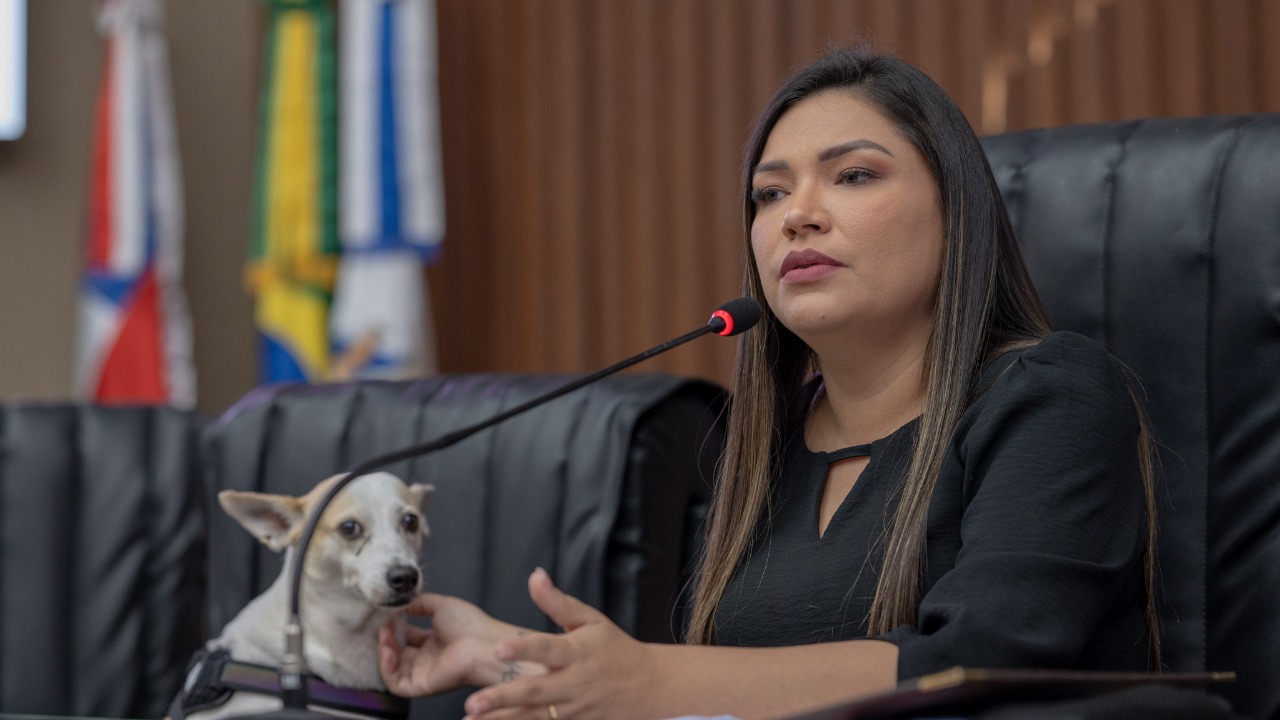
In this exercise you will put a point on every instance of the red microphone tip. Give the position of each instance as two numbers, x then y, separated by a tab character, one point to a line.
738	316
728	322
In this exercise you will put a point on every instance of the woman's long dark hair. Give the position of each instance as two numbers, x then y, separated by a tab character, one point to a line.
985	304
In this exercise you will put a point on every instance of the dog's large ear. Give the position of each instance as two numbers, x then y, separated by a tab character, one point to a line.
274	519
420	493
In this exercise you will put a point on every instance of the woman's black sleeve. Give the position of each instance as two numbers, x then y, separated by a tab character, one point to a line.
1045	477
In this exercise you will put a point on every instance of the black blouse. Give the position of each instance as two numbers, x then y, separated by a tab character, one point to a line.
1034	541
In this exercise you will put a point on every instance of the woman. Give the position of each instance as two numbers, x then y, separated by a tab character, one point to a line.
918	473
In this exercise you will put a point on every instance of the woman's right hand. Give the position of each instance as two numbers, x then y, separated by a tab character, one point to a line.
457	651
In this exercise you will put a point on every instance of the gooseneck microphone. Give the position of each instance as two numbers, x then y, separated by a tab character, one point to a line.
732	318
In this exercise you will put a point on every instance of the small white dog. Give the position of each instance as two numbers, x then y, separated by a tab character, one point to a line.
361	567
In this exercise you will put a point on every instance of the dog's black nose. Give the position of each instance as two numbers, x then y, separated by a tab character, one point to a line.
402	578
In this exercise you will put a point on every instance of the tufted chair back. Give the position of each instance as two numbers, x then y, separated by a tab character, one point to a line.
1161	239
101	558
605	487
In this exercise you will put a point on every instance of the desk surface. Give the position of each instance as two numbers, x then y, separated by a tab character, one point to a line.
967	691
21	716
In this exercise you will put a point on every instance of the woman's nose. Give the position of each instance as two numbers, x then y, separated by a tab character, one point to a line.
803	217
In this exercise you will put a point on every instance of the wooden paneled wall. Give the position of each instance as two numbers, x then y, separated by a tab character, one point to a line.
592	147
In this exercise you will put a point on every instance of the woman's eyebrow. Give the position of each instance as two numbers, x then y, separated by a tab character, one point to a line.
770	166
830	153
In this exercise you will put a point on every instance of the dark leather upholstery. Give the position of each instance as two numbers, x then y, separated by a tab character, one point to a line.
101	547
605	487
1161	239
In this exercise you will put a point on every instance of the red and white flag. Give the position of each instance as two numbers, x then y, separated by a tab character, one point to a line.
134	343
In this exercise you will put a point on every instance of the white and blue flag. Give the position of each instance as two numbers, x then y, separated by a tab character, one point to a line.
391	189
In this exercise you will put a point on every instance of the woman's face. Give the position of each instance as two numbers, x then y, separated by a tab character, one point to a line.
848	227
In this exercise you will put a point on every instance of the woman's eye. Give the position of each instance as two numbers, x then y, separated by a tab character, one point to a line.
409	523
855	176
350	529
765	195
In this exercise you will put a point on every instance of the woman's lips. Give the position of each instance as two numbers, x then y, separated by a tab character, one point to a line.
807	266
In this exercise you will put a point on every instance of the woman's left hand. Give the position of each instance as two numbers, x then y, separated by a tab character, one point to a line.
595	670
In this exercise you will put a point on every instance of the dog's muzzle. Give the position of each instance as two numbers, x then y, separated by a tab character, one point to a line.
403	581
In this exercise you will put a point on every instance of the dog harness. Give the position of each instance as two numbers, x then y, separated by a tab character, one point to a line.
212	678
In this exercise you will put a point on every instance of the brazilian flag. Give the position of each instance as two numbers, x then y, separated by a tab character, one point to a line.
294	252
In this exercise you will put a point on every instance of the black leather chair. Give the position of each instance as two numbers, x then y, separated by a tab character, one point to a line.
101	558
605	487
1161	239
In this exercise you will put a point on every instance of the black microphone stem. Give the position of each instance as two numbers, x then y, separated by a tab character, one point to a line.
293	663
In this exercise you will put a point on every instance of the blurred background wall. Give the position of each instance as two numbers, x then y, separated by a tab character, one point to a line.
591	152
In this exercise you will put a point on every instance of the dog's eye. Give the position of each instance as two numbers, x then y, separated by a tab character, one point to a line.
410	523
350	529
